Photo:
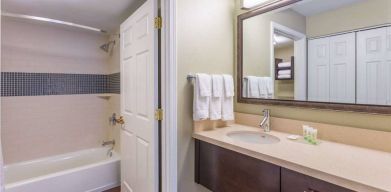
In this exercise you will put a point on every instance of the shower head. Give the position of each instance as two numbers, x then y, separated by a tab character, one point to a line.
106	47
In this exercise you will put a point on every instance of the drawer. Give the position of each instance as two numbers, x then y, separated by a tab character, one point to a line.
292	181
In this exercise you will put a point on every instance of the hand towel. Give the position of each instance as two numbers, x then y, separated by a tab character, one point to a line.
284	72
245	87
228	100
284	76
253	87
269	87
216	99
202	93
284	64
262	86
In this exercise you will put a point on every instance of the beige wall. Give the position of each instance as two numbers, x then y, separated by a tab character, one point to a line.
360	120
284	53
38	126
257	43
367	13
204	44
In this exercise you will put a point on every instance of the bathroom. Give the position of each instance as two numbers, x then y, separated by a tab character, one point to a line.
79	114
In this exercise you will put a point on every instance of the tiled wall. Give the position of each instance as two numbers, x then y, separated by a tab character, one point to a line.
50	78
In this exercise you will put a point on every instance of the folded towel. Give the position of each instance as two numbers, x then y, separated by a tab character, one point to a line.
262	85
229	85
205	84
284	64
228	100
216	99
284	72
269	87
253	87
202	93
245	88
284	76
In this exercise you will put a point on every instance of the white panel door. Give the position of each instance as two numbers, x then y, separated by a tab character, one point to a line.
372	70
319	70
300	73
343	68
139	164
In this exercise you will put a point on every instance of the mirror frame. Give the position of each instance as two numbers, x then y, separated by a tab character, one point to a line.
374	109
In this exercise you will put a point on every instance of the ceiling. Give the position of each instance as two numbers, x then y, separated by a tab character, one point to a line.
282	41
313	7
103	14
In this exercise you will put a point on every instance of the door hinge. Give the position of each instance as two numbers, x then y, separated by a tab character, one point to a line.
159	114
158	22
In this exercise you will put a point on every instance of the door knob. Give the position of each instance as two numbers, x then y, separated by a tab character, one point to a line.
120	120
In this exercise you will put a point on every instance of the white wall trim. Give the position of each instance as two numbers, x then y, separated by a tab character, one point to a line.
169	97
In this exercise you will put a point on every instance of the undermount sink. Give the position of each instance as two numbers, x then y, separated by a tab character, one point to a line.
253	137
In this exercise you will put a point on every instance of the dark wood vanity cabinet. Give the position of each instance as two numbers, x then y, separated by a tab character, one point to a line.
223	170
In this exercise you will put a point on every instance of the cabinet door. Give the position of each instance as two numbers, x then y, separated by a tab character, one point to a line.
343	68
372	66
296	182
319	70
222	170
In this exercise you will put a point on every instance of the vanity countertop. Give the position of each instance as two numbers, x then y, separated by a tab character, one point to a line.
352	167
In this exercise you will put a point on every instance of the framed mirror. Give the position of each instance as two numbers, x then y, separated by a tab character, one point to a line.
327	54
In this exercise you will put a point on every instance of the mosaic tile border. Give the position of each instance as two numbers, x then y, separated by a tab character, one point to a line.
38	84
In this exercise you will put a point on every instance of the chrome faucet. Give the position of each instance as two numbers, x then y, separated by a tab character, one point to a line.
110	151
265	123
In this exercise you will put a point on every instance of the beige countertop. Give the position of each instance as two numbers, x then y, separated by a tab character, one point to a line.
352	167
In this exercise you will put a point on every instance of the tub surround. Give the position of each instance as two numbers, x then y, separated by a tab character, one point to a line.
58	87
352	167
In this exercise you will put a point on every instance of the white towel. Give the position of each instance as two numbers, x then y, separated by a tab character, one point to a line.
284	76
202	93
245	87
269	87
216	99
228	100
284	64
253	87
262	86
284	72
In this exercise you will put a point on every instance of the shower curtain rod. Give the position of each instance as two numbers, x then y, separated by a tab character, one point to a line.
52	21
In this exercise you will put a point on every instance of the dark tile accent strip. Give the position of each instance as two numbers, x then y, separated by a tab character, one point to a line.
35	84
114	83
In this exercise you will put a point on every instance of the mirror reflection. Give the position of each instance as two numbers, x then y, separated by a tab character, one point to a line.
319	50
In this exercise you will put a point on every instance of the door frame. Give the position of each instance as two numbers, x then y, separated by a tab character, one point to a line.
169	97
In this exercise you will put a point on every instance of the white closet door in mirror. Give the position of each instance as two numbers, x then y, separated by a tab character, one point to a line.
319	70
343	68
373	72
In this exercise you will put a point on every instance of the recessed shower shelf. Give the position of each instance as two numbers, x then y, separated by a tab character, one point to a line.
105	95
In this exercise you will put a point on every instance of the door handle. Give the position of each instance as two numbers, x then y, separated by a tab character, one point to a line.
120	120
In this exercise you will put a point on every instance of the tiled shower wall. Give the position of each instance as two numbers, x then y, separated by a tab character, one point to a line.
51	76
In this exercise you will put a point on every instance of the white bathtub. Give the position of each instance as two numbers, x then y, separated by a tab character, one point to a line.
89	170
